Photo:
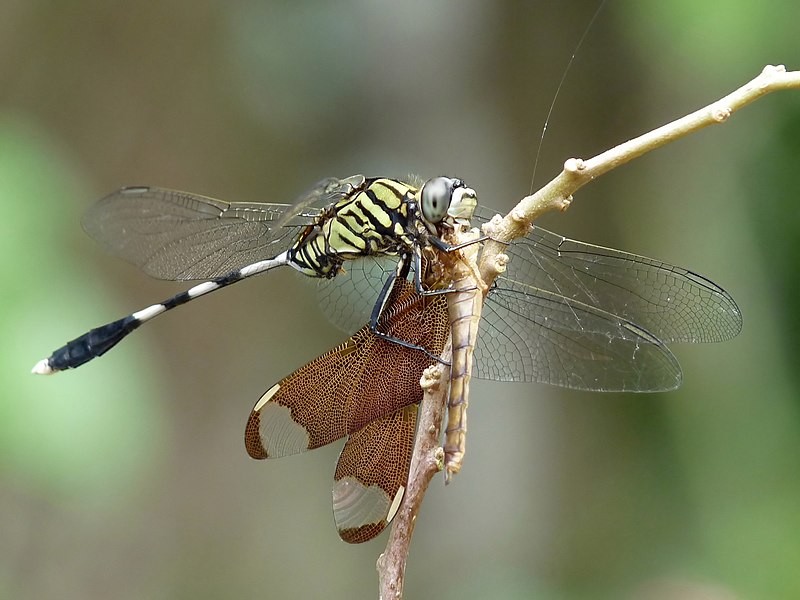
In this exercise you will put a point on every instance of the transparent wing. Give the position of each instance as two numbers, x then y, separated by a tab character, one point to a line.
570	314
347	300
324	192
178	235
672	303
529	334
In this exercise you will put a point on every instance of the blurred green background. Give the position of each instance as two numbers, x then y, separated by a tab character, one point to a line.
128	478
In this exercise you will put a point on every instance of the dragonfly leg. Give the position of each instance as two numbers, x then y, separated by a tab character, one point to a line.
418	277
445	247
380	305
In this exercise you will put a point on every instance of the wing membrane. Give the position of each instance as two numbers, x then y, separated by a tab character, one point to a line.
178	235
371	475
347	300
529	334
367	390
327	398
324	192
672	303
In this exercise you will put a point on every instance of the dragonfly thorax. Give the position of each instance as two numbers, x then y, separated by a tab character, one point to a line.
380	217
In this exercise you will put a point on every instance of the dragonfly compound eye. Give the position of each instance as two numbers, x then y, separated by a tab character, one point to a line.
435	198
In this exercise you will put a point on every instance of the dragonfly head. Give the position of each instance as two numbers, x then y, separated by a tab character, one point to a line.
442	197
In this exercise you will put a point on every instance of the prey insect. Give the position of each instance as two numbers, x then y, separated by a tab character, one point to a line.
367	390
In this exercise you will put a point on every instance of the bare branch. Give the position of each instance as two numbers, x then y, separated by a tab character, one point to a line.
556	195
427	460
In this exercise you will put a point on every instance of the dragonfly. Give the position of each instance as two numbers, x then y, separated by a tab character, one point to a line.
565	312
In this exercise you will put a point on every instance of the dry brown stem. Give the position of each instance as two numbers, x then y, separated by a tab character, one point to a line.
556	195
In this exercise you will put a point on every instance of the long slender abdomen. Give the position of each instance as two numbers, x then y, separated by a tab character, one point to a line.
100	340
464	307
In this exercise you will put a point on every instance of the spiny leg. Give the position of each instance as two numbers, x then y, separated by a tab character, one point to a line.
402	271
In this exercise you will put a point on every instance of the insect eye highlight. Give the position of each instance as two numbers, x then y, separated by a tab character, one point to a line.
435	198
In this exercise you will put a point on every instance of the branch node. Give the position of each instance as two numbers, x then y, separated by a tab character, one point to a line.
431	378
500	263
720	114
773	69
519	217
497	266
491	228
574	165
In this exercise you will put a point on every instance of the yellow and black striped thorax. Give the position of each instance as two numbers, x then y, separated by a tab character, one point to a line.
372	219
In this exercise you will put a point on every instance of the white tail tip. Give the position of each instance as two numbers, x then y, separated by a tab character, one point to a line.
42	368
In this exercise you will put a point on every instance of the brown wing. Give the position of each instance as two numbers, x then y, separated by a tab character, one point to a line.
371	475
357	389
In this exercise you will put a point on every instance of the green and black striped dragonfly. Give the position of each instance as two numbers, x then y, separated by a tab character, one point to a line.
565	312
181	236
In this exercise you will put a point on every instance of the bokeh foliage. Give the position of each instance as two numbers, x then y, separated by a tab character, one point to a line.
128	478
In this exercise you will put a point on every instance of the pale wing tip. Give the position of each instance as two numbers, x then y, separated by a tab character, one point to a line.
43	367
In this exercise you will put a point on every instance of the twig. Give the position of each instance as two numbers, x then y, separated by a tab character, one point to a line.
556	195
427	460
